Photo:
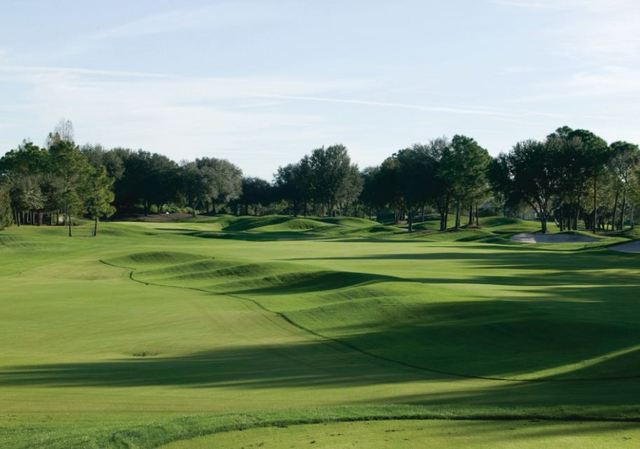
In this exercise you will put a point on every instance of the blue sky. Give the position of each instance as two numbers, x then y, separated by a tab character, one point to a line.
262	82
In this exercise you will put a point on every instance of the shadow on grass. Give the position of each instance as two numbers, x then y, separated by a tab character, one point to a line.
514	258
261	366
342	233
319	365
568	320
577	330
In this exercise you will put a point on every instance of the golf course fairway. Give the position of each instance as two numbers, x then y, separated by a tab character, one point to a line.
275	332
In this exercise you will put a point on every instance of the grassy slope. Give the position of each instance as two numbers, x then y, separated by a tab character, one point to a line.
86	350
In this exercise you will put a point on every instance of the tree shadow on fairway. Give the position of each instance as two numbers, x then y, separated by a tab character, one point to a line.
319	364
571	318
309	364
608	399
485	257
306	282
520	340
514	340
558	320
567	336
469	341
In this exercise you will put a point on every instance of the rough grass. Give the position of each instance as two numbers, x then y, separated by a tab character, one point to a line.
156	332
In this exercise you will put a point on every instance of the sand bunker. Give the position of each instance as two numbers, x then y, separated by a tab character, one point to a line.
631	247
551	238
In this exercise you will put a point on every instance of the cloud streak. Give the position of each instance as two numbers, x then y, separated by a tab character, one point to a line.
214	16
597	29
416	107
243	119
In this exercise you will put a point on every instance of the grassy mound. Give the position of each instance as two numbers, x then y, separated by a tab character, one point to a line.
276	227
483	338
249	223
292	224
348	221
156	258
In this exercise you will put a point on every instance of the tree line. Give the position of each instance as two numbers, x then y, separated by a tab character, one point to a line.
571	177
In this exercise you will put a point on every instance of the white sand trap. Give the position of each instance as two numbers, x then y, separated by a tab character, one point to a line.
527	237
631	247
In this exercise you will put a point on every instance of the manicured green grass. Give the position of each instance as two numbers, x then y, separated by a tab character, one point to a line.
156	332
410	434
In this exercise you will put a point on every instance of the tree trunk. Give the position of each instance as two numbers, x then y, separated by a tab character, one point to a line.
445	222
69	223
615	210
595	205
410	219
561	218
623	209
470	222
95	226
543	222
457	226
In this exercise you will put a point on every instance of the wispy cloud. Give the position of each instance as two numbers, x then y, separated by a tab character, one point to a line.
386	104
104	85
496	113
185	117
37	70
614	84
533	4
596	29
244	119
219	15
566	5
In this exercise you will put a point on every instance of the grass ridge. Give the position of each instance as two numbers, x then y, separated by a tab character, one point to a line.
350	346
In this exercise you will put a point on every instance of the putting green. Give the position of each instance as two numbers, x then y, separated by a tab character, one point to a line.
154	332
